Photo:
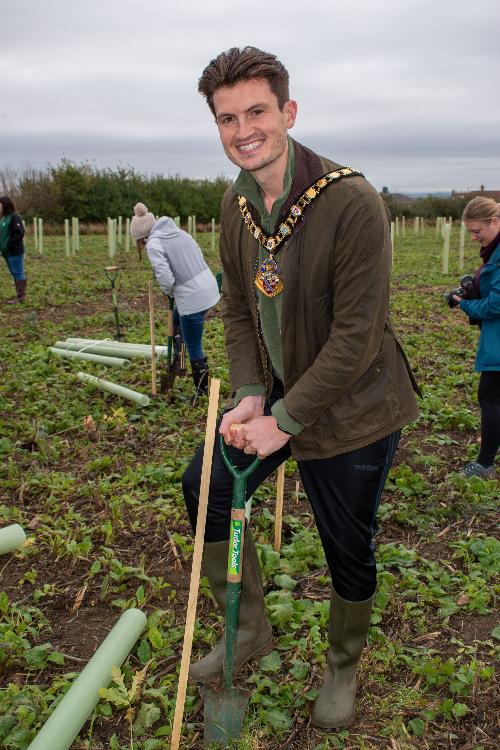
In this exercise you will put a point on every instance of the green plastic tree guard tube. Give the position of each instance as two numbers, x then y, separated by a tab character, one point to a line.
107	350
98	358
118	390
123	344
63	726
11	538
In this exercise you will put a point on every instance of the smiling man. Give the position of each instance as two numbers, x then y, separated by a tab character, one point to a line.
315	368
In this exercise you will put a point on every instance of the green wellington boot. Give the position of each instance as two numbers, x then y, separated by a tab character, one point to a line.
347	630
254	629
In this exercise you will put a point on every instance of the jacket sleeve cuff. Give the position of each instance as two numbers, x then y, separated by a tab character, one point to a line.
252	389
286	423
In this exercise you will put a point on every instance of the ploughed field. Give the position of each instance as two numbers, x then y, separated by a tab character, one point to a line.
108	530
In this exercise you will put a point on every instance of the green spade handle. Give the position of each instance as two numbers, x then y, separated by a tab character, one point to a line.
235	558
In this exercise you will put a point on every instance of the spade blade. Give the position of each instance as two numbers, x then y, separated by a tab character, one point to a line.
224	713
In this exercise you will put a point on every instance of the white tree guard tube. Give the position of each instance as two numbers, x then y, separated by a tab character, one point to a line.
63	726
11	538
118	390
99	359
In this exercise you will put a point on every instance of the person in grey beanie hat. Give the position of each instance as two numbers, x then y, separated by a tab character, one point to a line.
182	273
141	225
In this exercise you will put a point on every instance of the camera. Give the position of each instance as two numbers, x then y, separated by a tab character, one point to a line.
466	290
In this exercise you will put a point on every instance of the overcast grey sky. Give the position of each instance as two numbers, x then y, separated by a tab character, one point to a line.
406	91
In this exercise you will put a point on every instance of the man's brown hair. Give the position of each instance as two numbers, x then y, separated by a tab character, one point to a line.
237	65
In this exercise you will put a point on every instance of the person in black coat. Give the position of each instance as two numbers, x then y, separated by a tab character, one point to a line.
12	245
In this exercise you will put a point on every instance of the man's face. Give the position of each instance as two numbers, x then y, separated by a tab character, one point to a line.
483	232
252	128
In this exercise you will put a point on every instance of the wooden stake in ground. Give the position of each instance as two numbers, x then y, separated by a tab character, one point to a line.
152	335
196	564
278	516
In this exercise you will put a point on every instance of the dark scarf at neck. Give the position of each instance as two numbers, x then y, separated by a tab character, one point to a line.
486	253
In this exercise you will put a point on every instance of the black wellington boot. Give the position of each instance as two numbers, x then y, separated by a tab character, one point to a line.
20	285
200	372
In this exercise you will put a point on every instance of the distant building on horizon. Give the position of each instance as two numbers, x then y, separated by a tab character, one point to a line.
470	194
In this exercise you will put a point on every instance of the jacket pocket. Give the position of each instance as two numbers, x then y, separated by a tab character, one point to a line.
371	403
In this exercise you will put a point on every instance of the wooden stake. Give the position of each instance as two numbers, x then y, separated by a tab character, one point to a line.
152	335
278	516
196	564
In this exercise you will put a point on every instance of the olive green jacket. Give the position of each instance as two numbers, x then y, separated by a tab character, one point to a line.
345	375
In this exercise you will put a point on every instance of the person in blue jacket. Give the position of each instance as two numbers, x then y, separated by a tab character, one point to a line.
482	220
12	245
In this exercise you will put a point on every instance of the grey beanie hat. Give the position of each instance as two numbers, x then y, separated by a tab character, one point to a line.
142	222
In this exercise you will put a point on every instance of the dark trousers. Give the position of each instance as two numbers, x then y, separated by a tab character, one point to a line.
344	493
488	395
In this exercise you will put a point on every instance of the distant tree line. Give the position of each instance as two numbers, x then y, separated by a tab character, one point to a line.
92	194
428	207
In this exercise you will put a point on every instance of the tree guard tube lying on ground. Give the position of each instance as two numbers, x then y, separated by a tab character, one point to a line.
97	358
108	349
61	728
118	390
11	538
123	344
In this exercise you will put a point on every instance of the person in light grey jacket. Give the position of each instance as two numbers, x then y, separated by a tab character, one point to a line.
182	273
